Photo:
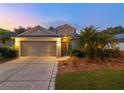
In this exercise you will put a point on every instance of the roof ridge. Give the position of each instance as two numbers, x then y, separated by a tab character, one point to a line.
51	32
48	30
65	25
39	29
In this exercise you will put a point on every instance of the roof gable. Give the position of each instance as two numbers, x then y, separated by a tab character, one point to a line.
65	26
37	31
66	30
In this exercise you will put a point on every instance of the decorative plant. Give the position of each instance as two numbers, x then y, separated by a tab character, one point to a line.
92	42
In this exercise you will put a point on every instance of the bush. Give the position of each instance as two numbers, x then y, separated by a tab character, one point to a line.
96	53
91	53
76	53
108	53
117	53
8	52
101	53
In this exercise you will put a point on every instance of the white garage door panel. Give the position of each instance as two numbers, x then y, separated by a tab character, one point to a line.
34	48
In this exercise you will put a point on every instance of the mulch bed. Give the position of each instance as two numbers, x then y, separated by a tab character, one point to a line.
76	64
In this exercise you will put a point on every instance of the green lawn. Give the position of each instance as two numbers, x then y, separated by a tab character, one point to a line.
106	79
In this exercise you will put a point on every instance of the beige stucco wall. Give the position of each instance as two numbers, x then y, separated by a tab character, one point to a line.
57	39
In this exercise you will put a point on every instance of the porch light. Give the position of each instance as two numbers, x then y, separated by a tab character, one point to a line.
65	39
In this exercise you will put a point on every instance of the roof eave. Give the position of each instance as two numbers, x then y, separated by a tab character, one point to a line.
38	36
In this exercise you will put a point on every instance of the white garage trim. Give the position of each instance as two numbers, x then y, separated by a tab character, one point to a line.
57	39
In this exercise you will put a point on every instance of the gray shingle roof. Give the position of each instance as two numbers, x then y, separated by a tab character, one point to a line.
66	30
38	31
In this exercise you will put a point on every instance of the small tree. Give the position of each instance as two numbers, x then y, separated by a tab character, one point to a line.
87	39
106	40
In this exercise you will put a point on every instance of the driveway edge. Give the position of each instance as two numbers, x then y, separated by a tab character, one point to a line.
53	77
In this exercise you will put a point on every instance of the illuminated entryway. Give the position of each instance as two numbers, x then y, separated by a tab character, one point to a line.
65	45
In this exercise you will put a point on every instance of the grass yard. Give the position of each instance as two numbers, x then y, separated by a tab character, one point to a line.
91	80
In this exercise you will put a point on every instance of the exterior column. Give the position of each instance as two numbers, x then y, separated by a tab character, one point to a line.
58	44
17	45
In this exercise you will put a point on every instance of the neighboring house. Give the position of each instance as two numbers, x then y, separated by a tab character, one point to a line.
39	41
120	38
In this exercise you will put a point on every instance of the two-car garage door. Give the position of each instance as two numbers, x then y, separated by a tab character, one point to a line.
38	48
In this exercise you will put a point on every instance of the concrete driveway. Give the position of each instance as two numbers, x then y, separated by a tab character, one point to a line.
26	73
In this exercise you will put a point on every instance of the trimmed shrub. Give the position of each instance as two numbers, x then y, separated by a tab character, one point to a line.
76	53
92	53
8	52
96	53
117	53
101	53
108	52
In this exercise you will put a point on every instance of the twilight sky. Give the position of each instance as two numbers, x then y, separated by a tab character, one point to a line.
78	15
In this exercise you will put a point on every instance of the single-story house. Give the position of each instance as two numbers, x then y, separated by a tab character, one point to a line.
39	41
120	38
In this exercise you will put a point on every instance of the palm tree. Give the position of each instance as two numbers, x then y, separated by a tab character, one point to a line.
106	40
90	40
